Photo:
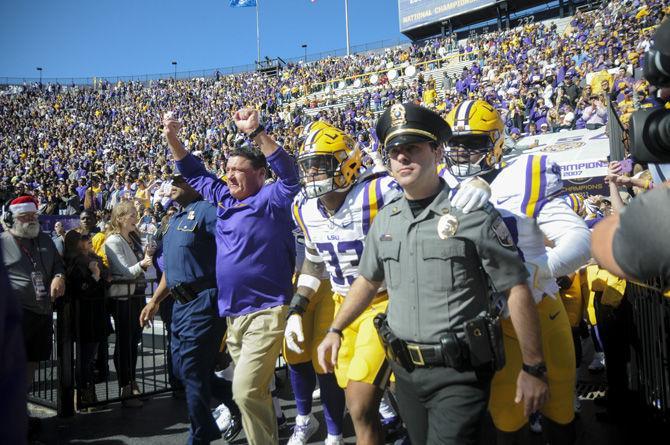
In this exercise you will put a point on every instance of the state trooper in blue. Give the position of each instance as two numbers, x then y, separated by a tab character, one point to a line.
189	266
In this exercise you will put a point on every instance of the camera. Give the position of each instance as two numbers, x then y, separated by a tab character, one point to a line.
649	129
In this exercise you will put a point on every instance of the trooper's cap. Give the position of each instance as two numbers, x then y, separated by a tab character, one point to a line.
408	123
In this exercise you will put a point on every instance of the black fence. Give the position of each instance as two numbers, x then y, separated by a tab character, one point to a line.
650	360
58	381
617	134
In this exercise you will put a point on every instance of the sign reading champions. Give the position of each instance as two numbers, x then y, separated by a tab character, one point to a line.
416	13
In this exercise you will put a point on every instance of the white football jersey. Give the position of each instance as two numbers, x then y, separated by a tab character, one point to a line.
523	193
339	238
520	192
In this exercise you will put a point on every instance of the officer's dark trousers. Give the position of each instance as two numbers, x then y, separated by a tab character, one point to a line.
165	311
197	331
440	405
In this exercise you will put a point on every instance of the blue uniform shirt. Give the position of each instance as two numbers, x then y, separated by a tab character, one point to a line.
255	249
189	245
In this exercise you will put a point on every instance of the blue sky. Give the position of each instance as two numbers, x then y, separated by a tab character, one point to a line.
77	38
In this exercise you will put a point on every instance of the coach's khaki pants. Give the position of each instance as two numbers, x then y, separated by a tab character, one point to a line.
254	341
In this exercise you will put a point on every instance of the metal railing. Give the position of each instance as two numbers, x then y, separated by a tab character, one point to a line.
650	359
617	134
56	379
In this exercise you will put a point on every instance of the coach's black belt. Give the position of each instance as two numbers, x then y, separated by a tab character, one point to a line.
187	292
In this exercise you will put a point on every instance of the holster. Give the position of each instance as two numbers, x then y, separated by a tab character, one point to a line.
394	347
485	340
454	352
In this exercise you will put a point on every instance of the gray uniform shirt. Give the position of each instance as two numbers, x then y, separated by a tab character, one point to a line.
435	285
19	267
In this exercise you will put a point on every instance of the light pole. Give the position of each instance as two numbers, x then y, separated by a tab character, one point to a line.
174	63
346	23
39	69
304	46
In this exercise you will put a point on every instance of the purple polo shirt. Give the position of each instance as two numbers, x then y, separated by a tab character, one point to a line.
255	254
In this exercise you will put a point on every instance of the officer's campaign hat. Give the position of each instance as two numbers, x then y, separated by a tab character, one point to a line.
408	123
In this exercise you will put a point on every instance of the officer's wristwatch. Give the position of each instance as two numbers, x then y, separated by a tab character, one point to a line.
539	370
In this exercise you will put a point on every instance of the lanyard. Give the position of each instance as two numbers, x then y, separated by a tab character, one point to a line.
28	254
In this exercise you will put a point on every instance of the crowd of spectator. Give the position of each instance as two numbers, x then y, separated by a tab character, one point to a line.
90	148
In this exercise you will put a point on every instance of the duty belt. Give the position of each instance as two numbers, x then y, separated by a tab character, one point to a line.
186	292
425	354
450	352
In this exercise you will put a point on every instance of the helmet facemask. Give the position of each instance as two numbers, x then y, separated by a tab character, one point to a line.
321	174
469	154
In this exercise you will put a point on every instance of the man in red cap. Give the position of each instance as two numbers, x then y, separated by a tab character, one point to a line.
36	276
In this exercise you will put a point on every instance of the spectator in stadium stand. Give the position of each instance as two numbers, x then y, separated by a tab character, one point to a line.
45	127
595	114
88	223
36	276
87	278
127	261
258	246
58	238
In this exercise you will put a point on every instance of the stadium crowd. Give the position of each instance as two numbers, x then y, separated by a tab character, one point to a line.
77	147
90	151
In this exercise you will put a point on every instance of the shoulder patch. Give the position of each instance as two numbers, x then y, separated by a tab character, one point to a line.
502	232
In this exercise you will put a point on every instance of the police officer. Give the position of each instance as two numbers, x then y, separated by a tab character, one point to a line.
189	253
436	262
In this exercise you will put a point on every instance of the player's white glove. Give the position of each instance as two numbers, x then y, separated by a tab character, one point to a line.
293	333
472	194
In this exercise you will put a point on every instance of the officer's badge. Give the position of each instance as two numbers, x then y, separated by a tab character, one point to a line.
191	215
447	226
398	115
502	232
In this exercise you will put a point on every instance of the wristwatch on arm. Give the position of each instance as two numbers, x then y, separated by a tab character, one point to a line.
539	370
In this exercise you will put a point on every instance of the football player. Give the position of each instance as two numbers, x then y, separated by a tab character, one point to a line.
524	193
335	215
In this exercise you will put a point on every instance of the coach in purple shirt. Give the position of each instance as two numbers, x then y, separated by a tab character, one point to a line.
254	261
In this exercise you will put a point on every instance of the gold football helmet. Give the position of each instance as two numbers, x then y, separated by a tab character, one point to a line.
476	143
329	160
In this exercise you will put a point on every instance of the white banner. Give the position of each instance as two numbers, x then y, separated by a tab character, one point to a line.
579	153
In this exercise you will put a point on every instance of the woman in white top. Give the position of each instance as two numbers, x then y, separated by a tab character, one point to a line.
126	262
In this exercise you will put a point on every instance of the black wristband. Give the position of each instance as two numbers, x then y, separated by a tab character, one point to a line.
335	331
256	132
298	304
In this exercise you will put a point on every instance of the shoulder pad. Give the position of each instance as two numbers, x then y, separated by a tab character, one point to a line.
370	177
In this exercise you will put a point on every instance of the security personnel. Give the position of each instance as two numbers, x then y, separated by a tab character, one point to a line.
189	253
436	261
